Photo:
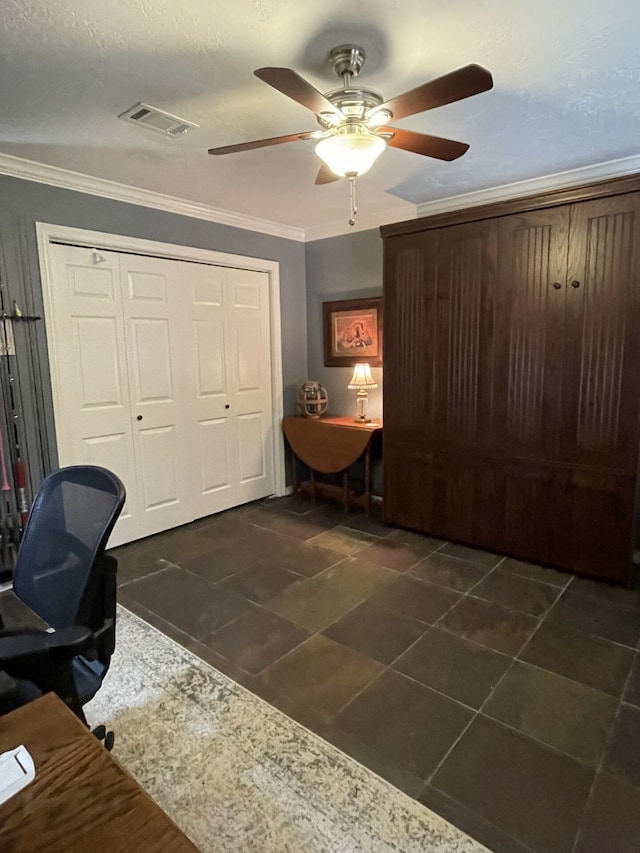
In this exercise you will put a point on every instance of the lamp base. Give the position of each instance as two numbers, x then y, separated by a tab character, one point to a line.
361	400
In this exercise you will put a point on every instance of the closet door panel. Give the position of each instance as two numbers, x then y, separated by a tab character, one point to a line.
228	310
249	331
87	353
210	346
601	411
214	463
213	475
251	461
159	465
160	400
150	350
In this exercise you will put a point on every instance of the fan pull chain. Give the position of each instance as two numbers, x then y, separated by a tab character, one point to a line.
352	200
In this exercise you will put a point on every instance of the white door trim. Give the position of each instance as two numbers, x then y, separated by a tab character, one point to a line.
47	233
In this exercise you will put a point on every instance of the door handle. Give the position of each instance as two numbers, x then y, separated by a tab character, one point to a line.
139	418
575	283
226	405
556	285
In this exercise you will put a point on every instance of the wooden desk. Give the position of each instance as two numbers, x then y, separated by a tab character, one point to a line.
330	445
81	799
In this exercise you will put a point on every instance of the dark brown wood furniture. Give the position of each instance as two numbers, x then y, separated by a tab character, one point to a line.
81	798
512	376
331	445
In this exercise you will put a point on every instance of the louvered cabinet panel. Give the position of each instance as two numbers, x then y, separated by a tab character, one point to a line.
409	328
594	531
408	492
532	272
601	398
450	495
533	510
410	317
464	335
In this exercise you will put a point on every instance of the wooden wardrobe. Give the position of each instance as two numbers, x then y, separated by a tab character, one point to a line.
512	376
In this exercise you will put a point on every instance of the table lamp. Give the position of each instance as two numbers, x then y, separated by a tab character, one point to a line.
361	381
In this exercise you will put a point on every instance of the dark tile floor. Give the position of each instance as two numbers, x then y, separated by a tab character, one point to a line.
503	695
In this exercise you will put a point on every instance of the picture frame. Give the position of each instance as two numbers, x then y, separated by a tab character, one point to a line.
352	332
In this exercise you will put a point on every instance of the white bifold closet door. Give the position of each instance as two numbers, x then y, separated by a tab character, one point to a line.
161	372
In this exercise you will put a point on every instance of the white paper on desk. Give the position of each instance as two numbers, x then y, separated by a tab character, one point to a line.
16	771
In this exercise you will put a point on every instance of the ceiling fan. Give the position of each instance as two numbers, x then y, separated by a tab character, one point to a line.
354	121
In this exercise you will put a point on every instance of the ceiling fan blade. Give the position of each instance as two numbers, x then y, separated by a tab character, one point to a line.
260	143
294	86
422	143
463	83
325	175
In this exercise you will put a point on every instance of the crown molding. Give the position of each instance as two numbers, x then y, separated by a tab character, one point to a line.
532	186
29	170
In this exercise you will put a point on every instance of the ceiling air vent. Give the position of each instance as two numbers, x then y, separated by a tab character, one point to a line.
157	120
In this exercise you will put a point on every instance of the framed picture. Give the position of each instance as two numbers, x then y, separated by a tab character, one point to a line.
352	332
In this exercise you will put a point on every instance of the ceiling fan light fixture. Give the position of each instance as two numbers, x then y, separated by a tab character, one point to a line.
351	150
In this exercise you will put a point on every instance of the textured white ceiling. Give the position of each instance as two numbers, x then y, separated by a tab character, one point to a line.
566	93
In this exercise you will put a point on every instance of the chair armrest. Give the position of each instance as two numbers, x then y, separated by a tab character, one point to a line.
69	642
22	644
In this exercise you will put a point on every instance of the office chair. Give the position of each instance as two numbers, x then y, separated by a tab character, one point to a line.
63	575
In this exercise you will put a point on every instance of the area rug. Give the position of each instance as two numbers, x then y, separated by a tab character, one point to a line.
236	774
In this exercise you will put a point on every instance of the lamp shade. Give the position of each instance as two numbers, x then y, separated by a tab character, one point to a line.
362	378
351	150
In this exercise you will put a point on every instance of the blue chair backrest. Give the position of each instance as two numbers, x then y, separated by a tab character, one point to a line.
67	530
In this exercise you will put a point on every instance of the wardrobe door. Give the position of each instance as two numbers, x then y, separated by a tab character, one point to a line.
410	342
468	504
601	408
464	327
439	304
529	349
600	427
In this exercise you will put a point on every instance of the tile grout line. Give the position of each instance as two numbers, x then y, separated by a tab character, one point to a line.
466	728
598	770
479	710
388	667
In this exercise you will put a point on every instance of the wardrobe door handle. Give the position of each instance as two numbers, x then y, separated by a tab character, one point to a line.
575	283
556	285
139	418
226	405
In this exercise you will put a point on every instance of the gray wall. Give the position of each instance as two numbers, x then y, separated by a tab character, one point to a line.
346	267
23	203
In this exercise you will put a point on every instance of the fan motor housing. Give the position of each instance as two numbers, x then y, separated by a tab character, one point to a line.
352	103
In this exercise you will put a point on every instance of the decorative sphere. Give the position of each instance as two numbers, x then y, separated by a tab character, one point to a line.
312	399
